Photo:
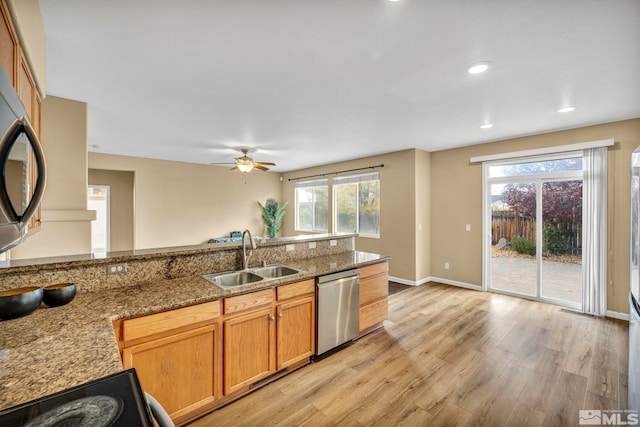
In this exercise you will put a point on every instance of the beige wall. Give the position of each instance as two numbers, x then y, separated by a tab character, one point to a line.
397	207
456	200
121	206
184	203
66	223
423	215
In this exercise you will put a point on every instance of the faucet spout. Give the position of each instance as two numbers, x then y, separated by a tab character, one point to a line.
247	258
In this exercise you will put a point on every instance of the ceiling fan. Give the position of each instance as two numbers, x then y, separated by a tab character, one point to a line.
246	164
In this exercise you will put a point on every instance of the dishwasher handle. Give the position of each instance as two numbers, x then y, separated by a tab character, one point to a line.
347	274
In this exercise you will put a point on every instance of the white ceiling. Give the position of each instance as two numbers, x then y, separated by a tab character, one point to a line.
310	82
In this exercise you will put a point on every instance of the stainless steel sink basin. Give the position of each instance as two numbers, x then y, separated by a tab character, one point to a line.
275	271
232	279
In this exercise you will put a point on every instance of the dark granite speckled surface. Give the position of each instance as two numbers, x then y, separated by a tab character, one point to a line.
53	349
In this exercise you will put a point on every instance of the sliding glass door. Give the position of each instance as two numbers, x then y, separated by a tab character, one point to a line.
534	215
514	268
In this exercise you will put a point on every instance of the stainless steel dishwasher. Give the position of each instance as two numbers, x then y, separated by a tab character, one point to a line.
338	308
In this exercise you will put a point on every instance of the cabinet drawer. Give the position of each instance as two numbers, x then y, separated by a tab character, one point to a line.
374	288
373	314
248	301
161	323
295	289
372	270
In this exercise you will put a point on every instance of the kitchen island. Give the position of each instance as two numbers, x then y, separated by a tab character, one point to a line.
57	348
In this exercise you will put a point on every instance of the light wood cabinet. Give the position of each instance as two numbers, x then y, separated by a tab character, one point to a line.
295	326
374	294
267	331
16	67
9	47
177	356
248	349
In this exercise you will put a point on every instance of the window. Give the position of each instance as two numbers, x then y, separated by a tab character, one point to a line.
356	204
312	205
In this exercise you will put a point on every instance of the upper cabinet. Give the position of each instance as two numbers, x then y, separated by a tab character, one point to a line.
8	44
14	61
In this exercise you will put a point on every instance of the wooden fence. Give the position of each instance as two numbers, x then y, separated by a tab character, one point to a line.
507	224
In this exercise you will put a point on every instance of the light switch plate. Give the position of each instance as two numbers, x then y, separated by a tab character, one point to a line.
333	242
290	248
312	245
467	227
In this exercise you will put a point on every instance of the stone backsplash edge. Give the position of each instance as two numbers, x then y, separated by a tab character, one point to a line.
92	276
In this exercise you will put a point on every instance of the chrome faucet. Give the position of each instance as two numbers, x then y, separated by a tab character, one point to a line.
246	258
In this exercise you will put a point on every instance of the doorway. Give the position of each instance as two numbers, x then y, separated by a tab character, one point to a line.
98	200
534	216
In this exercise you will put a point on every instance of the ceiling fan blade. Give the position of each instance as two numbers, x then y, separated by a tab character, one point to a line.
262	168
226	163
265	163
235	167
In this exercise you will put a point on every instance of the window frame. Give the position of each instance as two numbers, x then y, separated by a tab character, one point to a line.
356	179
307	184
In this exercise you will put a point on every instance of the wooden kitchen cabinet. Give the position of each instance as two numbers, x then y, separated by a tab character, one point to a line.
248	349
20	75
266	332
9	47
177	356
295	327
374	295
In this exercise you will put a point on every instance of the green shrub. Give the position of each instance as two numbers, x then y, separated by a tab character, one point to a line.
556	240
522	245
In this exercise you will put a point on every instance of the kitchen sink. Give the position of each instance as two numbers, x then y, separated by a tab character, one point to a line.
232	279
275	271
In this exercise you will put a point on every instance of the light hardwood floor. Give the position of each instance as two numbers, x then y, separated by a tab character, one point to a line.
455	357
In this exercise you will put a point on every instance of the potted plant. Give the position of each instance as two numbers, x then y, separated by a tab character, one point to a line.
272	213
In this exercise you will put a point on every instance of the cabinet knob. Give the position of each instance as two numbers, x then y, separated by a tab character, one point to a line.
280	315
271	318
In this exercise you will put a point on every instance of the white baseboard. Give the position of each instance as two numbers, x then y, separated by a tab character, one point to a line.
456	283
435	279
407	282
616	315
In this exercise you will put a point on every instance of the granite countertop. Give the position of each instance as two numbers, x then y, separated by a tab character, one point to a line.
54	349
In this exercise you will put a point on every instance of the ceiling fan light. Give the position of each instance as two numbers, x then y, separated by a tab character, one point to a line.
245	166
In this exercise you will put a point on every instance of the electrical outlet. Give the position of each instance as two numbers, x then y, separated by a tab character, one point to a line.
446	265
333	243
312	245
117	268
467	227
290	248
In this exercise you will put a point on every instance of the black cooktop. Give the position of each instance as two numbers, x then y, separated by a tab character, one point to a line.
113	401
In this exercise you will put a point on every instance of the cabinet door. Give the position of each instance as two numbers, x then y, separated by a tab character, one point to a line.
8	44
181	371
249	353
295	331
373	314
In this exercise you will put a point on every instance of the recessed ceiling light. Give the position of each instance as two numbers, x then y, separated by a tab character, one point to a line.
567	109
486	126
478	67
